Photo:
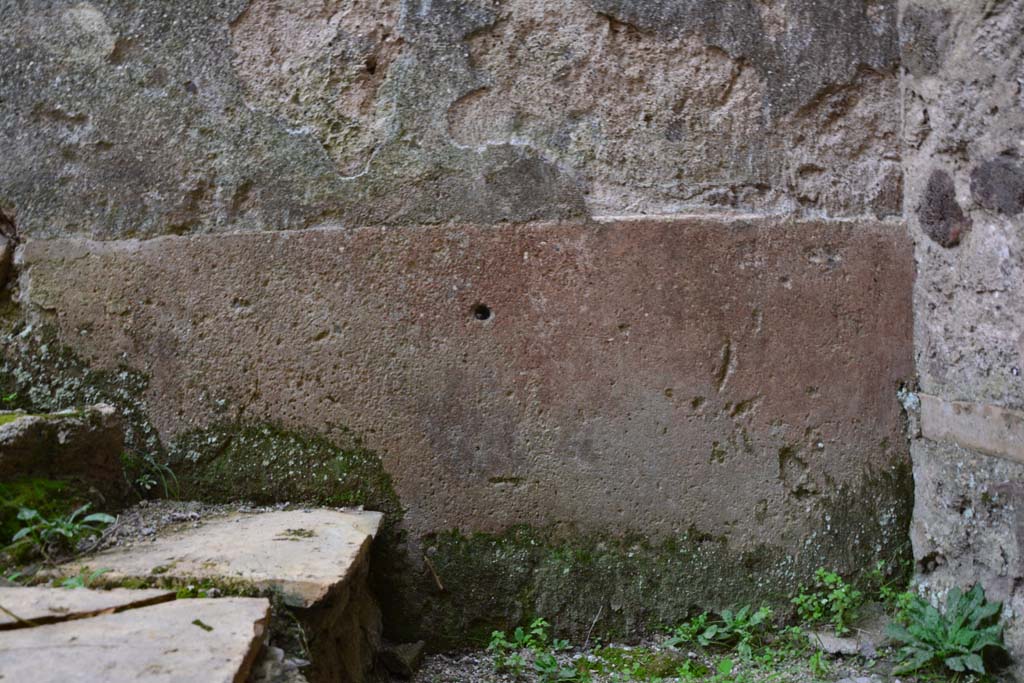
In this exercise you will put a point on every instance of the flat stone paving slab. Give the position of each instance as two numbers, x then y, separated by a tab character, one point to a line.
32	606
303	554
201	640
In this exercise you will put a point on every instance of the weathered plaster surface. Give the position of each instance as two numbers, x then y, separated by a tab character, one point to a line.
964	141
123	120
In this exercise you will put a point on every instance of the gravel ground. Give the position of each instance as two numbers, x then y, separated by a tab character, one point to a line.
478	667
142	522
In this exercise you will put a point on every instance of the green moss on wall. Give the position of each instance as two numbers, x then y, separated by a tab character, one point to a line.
466	585
453	588
263	463
40	375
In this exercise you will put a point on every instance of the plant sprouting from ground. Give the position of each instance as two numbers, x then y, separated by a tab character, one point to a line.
550	670
830	600
84	578
147	474
726	673
508	655
742	629
957	638
688	631
511	653
818	664
59	534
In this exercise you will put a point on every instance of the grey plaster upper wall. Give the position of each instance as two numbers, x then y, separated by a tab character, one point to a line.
138	119
965	195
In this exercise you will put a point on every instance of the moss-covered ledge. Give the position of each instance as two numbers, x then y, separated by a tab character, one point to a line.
467	584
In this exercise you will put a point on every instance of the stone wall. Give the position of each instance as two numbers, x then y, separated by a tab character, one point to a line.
125	120
964	143
591	281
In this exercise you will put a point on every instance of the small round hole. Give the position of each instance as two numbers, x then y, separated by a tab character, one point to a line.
481	312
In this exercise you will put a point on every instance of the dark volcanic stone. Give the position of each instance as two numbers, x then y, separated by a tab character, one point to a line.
941	217
998	185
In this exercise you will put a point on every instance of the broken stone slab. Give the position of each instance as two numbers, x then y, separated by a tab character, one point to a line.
833	644
78	444
301	554
209	640
316	560
865	637
28	606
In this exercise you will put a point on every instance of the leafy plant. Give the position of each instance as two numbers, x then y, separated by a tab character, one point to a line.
742	629
84	579
550	670
725	673
690	670
145	481
830	600
688	631
889	584
957	638
145	473
510	653
506	654
819	665
48	496
899	604
48	536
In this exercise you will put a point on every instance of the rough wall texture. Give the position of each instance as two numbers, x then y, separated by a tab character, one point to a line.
623	370
964	137
127	120
201	189
629	378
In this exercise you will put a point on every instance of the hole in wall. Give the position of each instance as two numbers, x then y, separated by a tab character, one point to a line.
482	312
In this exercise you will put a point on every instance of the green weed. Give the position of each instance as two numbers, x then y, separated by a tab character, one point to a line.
533	645
743	630
819	664
829	600
59	534
957	638
146	474
84	579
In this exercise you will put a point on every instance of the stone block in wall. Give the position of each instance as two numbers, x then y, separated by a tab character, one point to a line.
81	445
984	428
726	385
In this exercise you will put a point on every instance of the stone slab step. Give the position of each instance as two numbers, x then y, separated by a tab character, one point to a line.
302	554
23	607
201	640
